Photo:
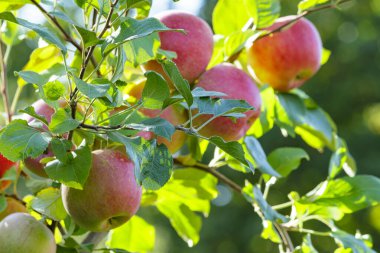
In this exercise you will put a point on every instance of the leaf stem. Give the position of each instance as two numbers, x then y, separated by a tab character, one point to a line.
283	205
3	87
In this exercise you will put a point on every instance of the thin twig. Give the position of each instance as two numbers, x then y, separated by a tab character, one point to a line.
66	36
4	83
236	55
285	238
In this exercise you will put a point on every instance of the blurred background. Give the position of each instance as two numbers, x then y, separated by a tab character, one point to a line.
347	87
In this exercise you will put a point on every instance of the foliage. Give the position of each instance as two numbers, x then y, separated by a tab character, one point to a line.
93	80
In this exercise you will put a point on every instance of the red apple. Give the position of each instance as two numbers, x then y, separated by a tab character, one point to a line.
193	49
110	196
286	59
5	165
236	84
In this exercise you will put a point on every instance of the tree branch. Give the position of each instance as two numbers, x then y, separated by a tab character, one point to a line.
283	233
3	87
236	55
66	36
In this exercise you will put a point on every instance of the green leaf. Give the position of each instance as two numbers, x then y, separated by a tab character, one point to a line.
265	122
63	17
119	66
30	111
92	90
349	194
307	246
44	32
19	141
253	195
224	18
233	148
6	5
49	203
308	4
269	232
285	160
75	170
325	56
297	111
341	159
142	7
155	91
222	107
356	245
60	149
32	77
158	126
141	50
136	235
89	38
156	166
178	81
131	29
45	60
236	41
62	122
257	153
263	12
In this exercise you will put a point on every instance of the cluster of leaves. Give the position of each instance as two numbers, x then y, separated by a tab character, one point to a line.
90	79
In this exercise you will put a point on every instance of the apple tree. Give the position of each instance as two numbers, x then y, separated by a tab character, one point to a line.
137	111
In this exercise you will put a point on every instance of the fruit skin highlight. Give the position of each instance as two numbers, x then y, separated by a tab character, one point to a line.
110	196
193	49
286	59
236	84
21	233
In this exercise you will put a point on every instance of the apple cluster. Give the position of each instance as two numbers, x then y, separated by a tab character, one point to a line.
111	196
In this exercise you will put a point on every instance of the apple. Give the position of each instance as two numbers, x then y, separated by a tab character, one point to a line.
42	108
236	84
193	49
5	165
286	59
110	196
21	233
176	115
13	206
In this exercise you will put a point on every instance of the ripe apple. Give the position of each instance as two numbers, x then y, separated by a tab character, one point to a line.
110	196
236	84
13	206
21	233
176	115
5	165
34	164
193	49
286	59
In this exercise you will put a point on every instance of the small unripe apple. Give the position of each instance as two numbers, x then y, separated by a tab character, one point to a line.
193	49
21	233
13	206
110	196
236	84
5	165
286	59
